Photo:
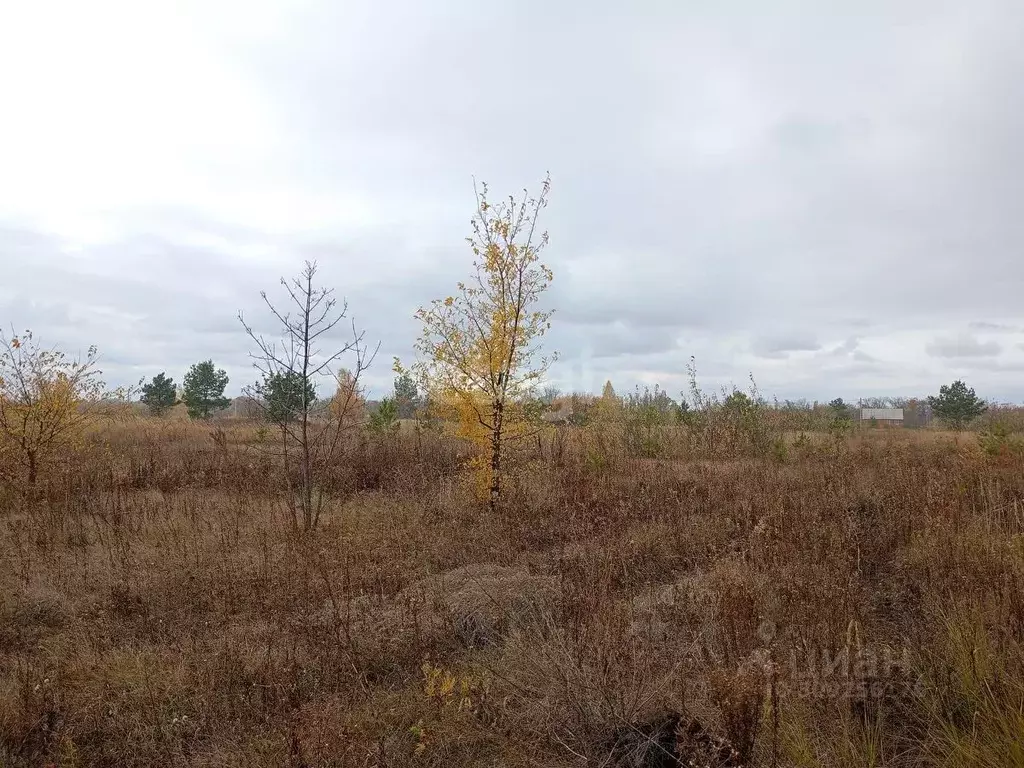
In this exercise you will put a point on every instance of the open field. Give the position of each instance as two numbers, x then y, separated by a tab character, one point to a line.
847	603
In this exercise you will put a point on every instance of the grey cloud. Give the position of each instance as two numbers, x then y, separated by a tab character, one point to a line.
174	309
616	340
982	325
601	311
722	175
779	347
847	347
963	345
998	366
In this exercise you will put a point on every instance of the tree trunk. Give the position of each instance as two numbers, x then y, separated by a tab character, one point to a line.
32	468
307	479
496	455
288	475
307	470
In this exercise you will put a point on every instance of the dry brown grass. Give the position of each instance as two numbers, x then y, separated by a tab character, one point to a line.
859	603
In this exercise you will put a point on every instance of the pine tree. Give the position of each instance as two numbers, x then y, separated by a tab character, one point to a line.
384	419
285	395
407	396
957	405
160	395
204	390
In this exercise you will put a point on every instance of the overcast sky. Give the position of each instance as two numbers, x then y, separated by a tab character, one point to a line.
827	195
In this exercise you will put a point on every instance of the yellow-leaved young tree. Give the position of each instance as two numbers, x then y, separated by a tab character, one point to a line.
479	353
45	400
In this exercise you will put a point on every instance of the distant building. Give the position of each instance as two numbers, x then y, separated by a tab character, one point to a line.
889	417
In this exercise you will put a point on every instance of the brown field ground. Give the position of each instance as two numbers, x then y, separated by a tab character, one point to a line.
840	603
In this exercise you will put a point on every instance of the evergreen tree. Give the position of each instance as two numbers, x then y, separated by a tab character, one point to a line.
957	405
841	422
840	410
204	390
384	419
407	396
285	396
160	395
